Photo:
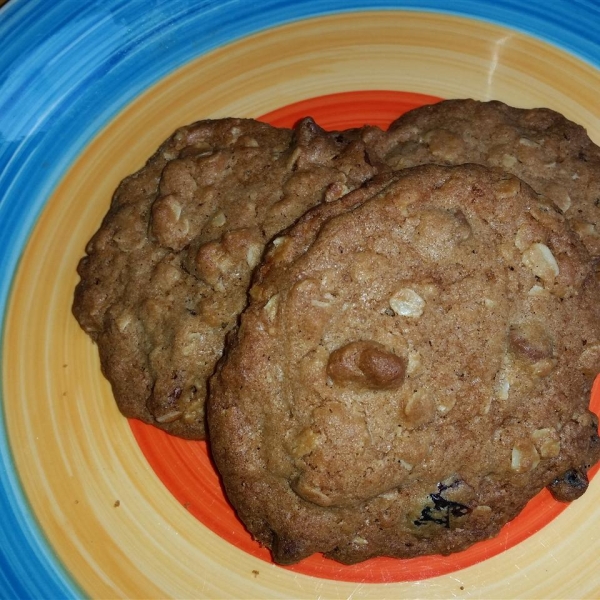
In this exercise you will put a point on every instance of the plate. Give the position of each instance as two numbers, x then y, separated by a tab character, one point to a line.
88	505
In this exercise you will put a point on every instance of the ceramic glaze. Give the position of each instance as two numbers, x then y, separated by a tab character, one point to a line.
87	93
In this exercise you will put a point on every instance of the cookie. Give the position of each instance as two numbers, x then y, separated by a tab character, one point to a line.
414	365
166	274
551	153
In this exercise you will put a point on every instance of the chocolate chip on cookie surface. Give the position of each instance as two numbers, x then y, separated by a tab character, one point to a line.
166	274
414	365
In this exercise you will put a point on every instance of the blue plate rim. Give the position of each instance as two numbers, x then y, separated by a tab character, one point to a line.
63	37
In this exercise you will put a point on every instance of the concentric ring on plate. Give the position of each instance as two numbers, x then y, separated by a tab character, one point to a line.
77	457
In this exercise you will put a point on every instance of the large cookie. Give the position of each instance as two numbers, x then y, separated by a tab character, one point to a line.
414	365
167	273
551	153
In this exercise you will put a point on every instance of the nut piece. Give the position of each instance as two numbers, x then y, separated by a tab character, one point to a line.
248	142
406	465
589	361
124	320
294	158
219	219
444	144
502	382
419	410
271	307
407	303
169	225
253	255
366	364
527	234
212	262
536	290
508	161
524	457
547	442
527	142
544	367
360	541
560	197
584	228
481	516
539	258
507	188
305	443
170	416
415	363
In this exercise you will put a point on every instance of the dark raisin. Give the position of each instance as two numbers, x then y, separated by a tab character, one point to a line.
443	510
569	486
175	394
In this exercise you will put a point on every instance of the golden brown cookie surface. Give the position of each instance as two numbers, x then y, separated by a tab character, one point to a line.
548	151
415	364
167	273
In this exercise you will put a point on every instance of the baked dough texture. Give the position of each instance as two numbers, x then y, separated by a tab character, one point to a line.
415	364
166	275
552	154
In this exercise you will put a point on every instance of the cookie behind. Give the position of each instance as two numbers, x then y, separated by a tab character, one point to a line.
166	275
554	155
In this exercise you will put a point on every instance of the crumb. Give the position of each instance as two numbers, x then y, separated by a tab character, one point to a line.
117	503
